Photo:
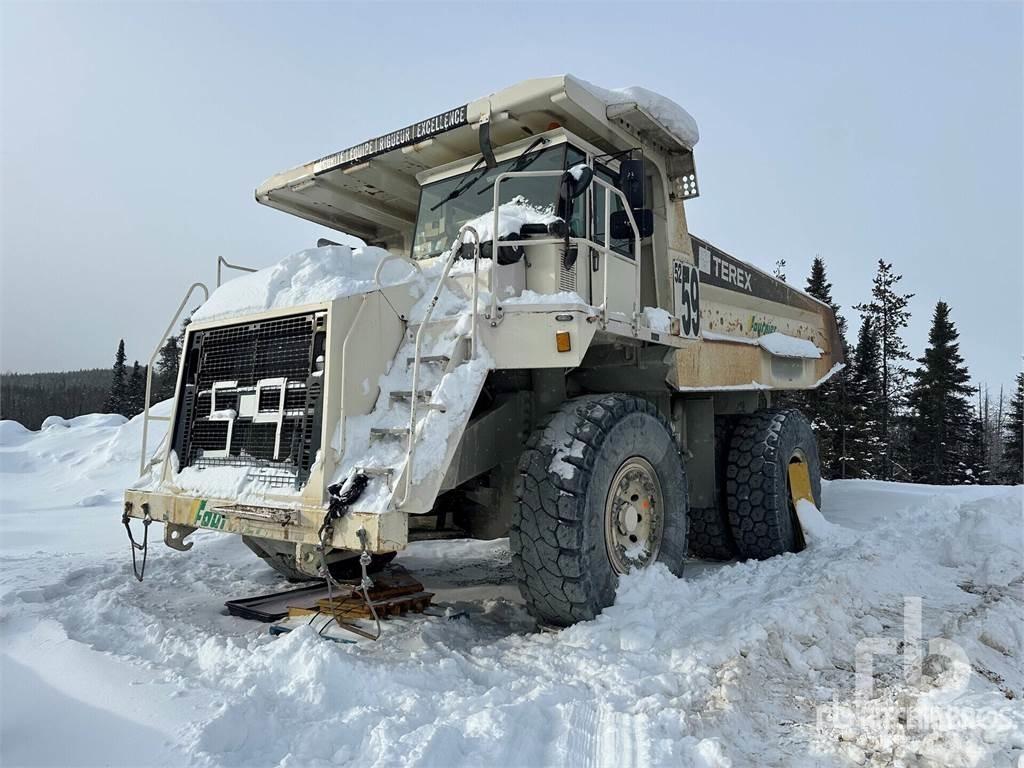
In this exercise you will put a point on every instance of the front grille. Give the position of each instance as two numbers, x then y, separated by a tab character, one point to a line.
252	397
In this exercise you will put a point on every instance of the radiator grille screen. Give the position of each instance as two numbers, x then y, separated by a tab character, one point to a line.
567	277
252	397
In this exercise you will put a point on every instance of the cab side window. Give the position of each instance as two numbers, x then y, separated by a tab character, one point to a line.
578	220
623	246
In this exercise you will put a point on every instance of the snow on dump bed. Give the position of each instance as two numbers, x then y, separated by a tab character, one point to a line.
673	117
308	277
737	664
781	345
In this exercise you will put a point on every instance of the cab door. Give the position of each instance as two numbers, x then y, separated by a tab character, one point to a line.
618	266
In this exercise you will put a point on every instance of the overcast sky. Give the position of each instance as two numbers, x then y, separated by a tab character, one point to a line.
133	136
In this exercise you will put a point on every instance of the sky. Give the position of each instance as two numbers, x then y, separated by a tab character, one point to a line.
133	135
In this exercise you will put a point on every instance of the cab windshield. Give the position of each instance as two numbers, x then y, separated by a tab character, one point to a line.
442	212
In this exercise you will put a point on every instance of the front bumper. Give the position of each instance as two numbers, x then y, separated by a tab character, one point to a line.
387	532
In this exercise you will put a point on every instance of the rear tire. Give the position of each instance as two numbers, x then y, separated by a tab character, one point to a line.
710	532
281	557
761	513
591	480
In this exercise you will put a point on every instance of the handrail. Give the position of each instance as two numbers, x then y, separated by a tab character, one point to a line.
454	253
393	257
221	260
344	372
605	250
146	418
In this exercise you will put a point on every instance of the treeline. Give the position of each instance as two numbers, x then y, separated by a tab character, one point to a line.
881	418
30	397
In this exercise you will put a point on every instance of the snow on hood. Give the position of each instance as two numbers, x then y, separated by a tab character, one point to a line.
511	218
318	275
308	277
673	117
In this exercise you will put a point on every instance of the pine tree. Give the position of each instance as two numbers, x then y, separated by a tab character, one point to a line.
827	407
944	436
864	442
889	315
1013	447
166	378
117	398
136	391
167	369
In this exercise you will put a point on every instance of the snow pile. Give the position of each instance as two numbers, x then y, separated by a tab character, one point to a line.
530	298
735	664
12	433
731	338
781	345
511	218
311	276
817	530
658	319
83	462
672	117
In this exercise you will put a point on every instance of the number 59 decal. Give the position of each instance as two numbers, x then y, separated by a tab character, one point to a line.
686	288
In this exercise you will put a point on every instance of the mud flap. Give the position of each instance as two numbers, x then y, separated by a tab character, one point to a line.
800	489
800	482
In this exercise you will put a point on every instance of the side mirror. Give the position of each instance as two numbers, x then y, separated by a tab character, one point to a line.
621	229
631	182
575	181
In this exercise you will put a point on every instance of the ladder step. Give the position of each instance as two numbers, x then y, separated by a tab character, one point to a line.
377	471
406	394
389	431
429	359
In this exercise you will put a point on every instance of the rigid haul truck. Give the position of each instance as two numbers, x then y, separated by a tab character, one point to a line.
529	344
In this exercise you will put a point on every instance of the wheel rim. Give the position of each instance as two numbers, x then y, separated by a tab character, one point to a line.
634	516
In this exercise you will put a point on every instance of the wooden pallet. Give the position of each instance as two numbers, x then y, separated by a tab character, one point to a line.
392	594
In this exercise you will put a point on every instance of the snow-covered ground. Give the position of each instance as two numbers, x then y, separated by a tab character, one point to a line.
740	664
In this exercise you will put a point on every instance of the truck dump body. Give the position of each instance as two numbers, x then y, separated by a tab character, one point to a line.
740	304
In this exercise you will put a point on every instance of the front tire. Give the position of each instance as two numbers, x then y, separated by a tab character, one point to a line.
601	490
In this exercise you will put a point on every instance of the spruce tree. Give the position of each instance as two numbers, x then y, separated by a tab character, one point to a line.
827	407
889	315
864	443
136	392
1013	447
117	397
167	369
944	439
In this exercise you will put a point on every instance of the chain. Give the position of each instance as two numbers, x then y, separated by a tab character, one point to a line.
366	582
144	546
341	497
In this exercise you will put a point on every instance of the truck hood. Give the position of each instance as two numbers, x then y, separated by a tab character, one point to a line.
312	276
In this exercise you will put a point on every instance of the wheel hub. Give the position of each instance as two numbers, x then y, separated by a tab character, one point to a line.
634	516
